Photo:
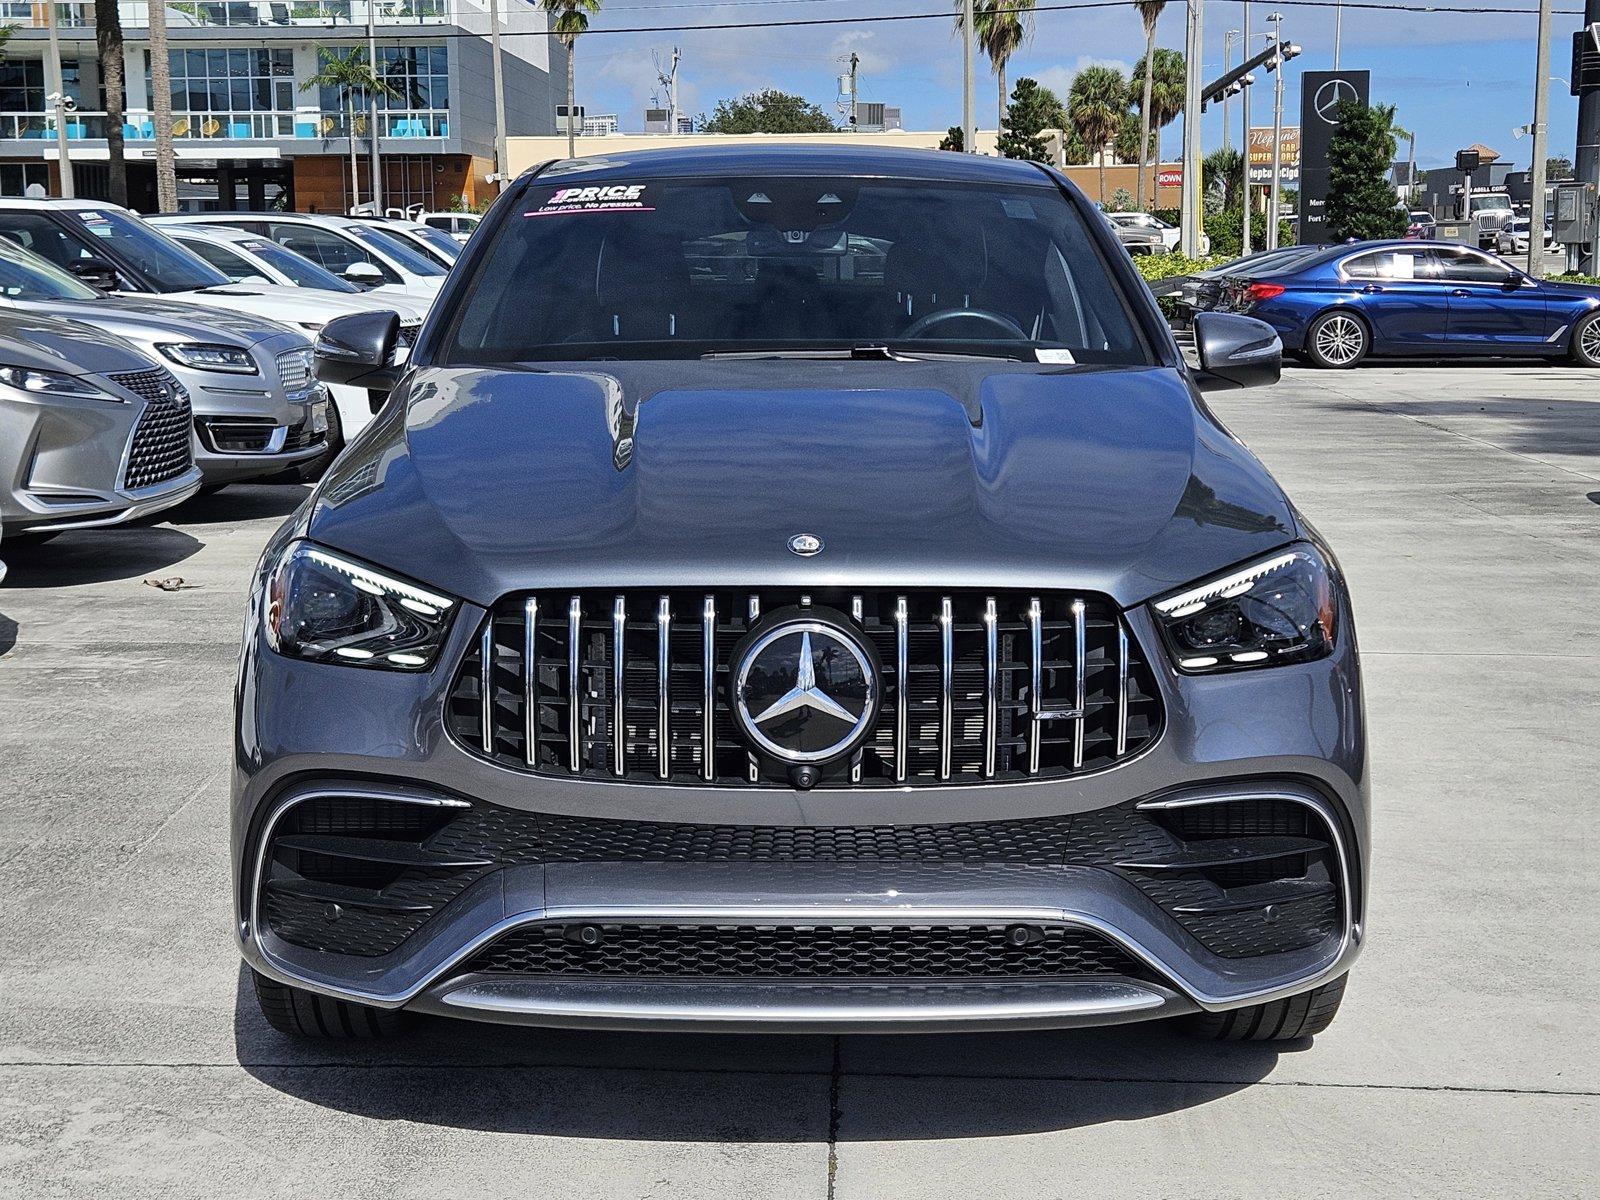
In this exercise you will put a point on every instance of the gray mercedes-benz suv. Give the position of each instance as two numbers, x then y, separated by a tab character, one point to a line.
799	589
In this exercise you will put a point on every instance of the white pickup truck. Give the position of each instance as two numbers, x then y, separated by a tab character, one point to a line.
1491	212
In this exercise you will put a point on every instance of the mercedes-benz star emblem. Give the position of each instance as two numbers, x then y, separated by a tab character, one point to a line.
1329	96
805	544
805	687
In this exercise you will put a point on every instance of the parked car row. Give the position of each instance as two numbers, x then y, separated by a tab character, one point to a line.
1333	306
143	360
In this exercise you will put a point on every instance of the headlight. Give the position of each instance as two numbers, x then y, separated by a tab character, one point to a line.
1279	610
203	356
327	608
55	383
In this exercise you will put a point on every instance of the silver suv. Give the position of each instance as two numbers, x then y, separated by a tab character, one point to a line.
91	431
257	409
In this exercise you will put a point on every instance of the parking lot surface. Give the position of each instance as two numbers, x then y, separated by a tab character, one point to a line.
1464	503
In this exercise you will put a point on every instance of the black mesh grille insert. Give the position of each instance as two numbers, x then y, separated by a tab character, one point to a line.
1078	648
358	876
804	952
161	448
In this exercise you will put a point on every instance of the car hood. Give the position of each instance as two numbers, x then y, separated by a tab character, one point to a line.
165	317
484	482
46	343
1573	291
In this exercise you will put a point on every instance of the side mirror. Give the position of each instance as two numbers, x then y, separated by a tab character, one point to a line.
97	272
359	349
363	274
1235	351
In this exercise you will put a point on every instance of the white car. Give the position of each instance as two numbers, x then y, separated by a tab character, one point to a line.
1144	221
458	225
435	244
357	251
1513	237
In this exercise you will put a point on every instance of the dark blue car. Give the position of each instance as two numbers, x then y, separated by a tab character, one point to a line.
1419	299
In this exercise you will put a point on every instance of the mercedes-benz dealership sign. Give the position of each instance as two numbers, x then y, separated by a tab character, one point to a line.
1321	93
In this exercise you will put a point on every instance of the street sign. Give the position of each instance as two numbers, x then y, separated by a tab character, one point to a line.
1169	177
1288	155
1321	93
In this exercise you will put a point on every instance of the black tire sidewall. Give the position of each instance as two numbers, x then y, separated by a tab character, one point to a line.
1575	352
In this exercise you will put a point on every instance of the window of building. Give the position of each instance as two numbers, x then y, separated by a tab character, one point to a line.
15	177
216	92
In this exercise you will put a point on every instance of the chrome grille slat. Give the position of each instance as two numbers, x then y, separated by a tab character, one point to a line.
574	684
708	694
530	681
663	693
619	662
996	685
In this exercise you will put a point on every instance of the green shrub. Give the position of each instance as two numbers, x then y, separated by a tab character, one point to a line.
1155	267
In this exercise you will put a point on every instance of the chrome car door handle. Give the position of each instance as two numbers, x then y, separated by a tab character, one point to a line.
1371	288
1460	292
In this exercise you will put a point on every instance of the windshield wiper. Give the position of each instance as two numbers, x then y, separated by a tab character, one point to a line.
871	352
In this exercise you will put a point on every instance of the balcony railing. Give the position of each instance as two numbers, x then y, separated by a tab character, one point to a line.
235	14
139	125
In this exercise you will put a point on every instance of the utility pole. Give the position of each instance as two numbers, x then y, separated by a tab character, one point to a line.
855	61
1193	42
1227	65
501	158
1244	103
1541	137
61	104
372	112
672	94
1276	194
1338	30
969	127
1587	160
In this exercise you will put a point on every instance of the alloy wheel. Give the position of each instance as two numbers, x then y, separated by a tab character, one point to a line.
1340	340
1589	341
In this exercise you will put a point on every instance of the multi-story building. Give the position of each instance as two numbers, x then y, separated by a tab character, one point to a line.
600	125
253	127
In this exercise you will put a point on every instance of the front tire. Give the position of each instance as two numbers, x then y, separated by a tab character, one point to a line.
1337	341
1286	1020
1585	348
299	1013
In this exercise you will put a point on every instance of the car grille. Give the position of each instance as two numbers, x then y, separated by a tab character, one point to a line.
239	435
300	437
294	369
805	952
357	875
407	336
1025	685
161	447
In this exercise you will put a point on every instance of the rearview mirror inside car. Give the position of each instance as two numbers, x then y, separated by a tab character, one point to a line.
359	349
1236	351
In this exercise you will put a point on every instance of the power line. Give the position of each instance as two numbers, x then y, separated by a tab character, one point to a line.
942	15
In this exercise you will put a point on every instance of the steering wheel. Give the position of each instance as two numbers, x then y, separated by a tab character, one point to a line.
999	320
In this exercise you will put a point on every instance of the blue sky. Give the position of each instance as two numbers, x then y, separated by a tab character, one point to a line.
1457	78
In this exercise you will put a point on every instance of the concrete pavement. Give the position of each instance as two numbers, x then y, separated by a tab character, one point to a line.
1465	505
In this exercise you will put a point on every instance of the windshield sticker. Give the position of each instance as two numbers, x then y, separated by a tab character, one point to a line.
1018	210
93	218
1060	357
618	197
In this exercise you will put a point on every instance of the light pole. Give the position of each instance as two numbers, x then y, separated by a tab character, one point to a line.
969	126
372	112
1228	39
1541	120
62	104
1244	104
1276	20
1194	41
501	165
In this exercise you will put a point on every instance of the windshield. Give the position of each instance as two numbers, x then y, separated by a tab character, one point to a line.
392	248
678	268
167	266
438	243
296	267
25	276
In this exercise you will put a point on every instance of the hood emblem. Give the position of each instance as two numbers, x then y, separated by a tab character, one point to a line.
804	688
805	544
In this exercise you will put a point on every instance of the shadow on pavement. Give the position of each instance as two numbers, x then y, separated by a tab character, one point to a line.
239	502
8	633
97	556
750	1088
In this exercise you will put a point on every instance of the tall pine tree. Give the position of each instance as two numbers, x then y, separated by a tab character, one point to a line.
1361	201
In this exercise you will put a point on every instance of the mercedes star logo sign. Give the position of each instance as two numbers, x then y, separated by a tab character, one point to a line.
1329	96
805	544
805	687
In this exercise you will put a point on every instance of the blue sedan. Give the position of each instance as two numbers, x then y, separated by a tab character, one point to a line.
1418	299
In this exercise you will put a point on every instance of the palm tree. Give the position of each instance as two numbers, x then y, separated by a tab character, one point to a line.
572	19
161	111
1149	13
1397	132
350	75
1165	92
1000	26
1222	174
1095	104
108	41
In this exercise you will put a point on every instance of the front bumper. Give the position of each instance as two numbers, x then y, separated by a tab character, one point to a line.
1292	737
